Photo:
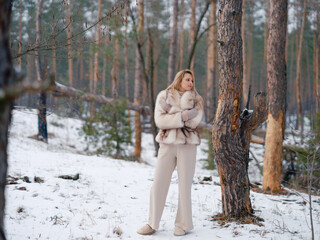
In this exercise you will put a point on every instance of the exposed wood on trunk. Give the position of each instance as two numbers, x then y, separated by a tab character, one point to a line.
42	110
211	63
192	31
6	79
69	36
298	73
277	87
231	132
181	35
173	43
138	82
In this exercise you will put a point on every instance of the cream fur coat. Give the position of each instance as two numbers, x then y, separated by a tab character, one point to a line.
172	129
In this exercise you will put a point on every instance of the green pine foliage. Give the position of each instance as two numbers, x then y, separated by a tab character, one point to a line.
210	164
110	132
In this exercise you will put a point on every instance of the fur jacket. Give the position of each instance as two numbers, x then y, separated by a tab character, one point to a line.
172	129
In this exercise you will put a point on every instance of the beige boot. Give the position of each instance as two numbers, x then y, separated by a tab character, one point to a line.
179	231
146	230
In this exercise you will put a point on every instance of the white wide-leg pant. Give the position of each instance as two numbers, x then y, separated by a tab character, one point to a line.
170	156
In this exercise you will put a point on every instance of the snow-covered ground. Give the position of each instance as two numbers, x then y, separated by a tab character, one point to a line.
111	196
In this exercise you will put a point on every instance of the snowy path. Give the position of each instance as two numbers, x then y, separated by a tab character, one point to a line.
114	194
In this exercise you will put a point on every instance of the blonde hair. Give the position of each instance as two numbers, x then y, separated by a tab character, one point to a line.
175	85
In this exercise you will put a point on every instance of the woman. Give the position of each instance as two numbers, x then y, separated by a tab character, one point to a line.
178	112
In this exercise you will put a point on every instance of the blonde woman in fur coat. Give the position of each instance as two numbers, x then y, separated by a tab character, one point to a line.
178	112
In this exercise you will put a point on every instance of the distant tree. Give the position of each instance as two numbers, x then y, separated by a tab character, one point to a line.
138	82
42	108
173	43
211	62
277	87
298	73
192	31
69	40
181	35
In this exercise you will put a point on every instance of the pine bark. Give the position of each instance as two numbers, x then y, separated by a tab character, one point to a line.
231	132
298	73
277	87
173	43
42	110
211	62
6	79
138	82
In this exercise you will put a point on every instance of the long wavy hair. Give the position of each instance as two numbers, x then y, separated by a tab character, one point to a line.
175	85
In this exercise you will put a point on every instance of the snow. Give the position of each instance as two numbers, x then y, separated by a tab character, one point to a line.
113	195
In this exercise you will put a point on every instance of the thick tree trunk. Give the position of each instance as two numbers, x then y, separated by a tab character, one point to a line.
277	87
69	35
181	35
138	82
192	31
231	132
42	111
298	75
6	79
173	43
211	62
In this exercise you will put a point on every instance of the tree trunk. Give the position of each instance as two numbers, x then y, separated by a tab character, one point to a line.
181	36
277	87
6	79
20	37
211	62
115	72
42	110
245	87
298	76
69	35
126	69
231	132
96	62
104	77
173	43
264	64
192	31
138	82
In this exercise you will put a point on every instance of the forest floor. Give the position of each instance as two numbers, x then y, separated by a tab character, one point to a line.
110	200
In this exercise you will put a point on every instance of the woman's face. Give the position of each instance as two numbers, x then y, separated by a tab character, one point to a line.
186	82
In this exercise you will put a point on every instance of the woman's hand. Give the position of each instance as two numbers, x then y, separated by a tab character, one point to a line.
165	106
189	114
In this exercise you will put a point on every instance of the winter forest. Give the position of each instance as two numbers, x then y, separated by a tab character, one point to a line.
79	82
